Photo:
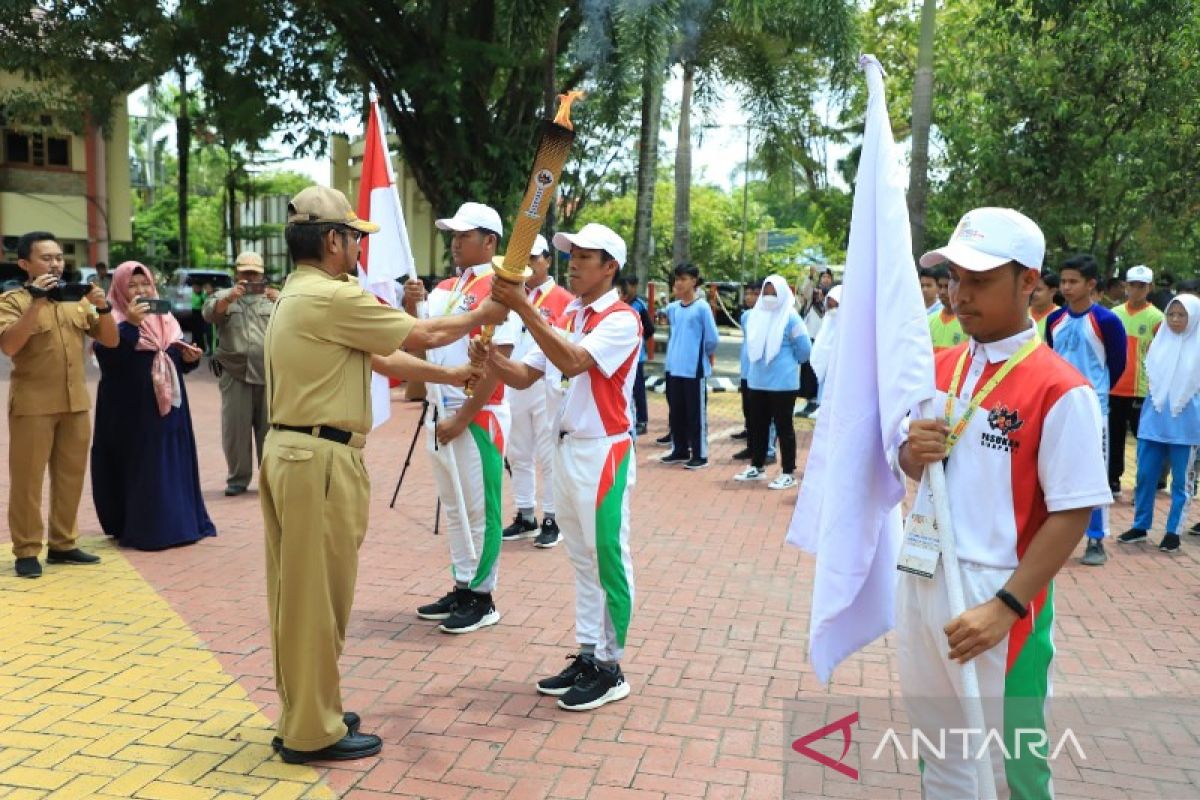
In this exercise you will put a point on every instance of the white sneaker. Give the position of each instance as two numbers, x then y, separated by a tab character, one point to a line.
784	481
751	474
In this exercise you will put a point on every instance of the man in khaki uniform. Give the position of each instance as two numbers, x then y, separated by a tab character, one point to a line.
48	403
323	340
240	315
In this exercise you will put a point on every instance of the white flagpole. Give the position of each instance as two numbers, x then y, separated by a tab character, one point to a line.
971	700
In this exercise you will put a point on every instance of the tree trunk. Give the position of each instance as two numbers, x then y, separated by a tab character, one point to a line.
681	248
922	114
231	201
183	141
652	86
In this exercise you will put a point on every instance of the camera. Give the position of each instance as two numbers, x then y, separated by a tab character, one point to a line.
69	292
157	305
255	287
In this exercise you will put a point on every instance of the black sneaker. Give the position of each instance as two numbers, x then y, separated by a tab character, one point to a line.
521	528
696	463
1169	543
475	612
740	435
1195	529
663	439
742	455
560	684
596	687
640	429
443	607
1132	535
675	458
74	556
29	567
1094	555
550	535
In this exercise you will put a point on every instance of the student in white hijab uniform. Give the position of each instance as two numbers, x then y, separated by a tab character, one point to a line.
776	345
1169	427
822	351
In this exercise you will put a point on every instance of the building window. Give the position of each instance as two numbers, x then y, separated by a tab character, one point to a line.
37	149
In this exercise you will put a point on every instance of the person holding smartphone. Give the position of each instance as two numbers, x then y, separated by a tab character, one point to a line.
48	402
240	316
145	474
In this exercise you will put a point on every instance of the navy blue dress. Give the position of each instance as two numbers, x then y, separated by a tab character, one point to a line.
145	475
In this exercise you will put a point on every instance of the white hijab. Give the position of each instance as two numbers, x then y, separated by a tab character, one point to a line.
1173	363
822	350
765	329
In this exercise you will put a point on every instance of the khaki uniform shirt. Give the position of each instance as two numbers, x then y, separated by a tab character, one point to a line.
318	350
241	331
48	374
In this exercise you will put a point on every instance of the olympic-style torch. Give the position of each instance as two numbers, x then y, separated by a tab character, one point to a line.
553	147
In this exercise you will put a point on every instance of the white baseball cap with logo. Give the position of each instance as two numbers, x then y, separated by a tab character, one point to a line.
989	237
593	236
1139	274
540	246
471	216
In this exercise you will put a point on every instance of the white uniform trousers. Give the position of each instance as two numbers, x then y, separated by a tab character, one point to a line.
593	479
531	445
1014	682
478	456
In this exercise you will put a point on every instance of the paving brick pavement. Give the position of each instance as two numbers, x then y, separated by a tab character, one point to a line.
716	649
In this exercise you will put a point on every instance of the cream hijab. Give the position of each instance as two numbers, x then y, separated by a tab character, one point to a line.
1173	362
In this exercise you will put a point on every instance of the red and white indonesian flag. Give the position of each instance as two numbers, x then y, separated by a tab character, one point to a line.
848	512
385	256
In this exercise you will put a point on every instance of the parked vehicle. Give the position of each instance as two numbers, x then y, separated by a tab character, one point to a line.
179	290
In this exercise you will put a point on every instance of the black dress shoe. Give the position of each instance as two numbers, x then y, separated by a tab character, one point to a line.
351	719
348	748
234	491
75	556
29	567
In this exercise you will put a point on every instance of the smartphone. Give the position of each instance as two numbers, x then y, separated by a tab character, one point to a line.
157	305
70	292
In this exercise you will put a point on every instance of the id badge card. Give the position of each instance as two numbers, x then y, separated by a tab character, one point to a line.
922	547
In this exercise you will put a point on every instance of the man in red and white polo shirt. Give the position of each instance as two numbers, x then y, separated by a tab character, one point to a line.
531	440
595	355
1021	436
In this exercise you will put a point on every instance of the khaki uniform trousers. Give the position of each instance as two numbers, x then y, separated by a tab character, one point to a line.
244	427
35	441
314	496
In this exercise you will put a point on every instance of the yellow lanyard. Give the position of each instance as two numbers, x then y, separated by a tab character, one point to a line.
980	396
457	295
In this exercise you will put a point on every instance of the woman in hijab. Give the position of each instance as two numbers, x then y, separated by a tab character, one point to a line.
145	476
1169	427
822	351
776	345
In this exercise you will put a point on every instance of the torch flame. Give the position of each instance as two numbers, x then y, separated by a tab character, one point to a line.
563	117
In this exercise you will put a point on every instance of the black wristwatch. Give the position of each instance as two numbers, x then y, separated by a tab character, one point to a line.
105	310
1007	598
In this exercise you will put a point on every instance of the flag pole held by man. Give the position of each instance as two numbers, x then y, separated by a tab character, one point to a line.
1011	510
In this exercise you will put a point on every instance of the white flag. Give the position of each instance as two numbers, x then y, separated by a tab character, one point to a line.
387	255
848	512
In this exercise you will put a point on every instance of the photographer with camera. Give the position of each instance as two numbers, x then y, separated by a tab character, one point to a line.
145	475
42	329
240	316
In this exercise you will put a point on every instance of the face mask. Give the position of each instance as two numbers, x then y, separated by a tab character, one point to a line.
769	302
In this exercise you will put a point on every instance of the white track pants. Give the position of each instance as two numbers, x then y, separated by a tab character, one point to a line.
593	480
475	460
531	445
1014	681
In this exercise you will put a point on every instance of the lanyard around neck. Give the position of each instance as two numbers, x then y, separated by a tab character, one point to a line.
458	293
981	395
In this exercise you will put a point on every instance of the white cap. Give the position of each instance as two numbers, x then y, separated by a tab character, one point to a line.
988	237
471	216
1140	274
593	236
540	246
